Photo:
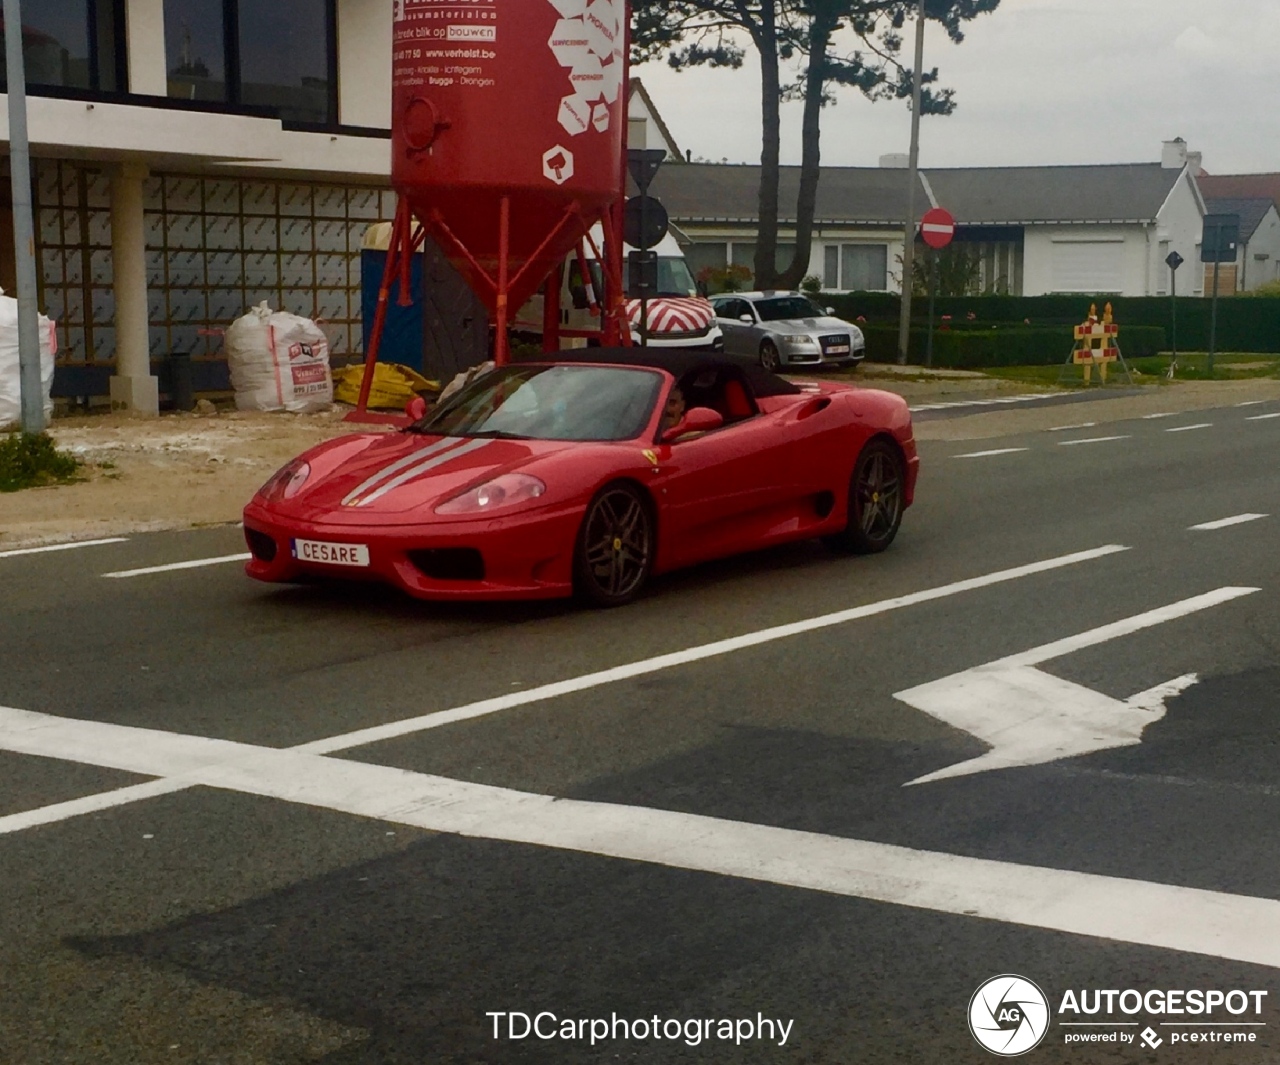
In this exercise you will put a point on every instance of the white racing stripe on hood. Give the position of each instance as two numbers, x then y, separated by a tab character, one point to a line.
421	468
399	464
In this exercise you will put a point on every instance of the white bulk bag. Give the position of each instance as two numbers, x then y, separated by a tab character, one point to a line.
10	366
279	361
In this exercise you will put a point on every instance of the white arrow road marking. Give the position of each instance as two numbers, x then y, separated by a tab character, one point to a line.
1030	717
439	718
1236	927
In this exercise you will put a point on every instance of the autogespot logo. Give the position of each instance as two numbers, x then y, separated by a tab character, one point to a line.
1008	1015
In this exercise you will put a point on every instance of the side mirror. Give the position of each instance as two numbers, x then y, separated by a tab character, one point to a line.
578	294
416	409
831	310
746	319
703	291
695	420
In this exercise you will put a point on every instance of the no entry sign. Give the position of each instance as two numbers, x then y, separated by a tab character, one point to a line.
937	228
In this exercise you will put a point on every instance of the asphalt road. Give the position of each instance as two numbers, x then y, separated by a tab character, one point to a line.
236	824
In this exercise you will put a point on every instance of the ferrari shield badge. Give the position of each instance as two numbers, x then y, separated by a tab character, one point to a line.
651	456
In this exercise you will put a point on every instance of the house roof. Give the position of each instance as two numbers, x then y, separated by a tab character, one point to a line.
636	88
1241	186
1252	210
717	192
1029	195
709	192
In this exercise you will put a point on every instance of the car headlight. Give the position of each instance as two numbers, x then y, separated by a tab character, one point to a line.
799	339
501	492
286	482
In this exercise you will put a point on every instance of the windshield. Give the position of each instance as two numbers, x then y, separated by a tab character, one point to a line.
784	307
549	403
674	278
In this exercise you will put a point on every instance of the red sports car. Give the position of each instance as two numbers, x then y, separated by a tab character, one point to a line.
588	473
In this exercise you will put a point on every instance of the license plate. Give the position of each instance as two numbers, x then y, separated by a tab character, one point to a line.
331	554
837	349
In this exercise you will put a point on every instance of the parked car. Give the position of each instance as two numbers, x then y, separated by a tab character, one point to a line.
785	329
546	478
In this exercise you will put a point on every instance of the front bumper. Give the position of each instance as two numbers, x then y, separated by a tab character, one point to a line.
524	556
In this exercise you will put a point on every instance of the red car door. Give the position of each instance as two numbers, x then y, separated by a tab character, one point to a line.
718	493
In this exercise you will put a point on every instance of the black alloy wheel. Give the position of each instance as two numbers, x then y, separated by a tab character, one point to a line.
876	500
615	547
769	356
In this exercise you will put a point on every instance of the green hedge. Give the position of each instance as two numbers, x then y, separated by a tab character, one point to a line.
1244	324
969	349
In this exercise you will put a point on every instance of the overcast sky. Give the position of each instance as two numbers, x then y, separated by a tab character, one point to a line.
1037	82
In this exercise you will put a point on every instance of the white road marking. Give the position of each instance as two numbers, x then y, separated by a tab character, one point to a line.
988	454
1236	927
1091	440
63	547
1262	417
1068	428
89	804
1029	717
1166	414
198	563
1253	402
1225	523
1188	428
1000	401
511	701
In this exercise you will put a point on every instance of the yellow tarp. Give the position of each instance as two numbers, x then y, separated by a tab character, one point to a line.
393	385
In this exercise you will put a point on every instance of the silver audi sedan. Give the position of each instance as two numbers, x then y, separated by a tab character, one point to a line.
783	329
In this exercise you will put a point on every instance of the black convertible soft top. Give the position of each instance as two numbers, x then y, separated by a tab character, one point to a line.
678	362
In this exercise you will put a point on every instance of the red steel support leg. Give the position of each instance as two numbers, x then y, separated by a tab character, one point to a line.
399	233
551	310
501	342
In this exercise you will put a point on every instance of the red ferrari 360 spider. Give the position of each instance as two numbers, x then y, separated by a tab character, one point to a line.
587	473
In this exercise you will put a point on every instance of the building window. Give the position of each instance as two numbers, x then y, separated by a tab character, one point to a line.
831	267
278	55
71	44
286	60
195	49
864	267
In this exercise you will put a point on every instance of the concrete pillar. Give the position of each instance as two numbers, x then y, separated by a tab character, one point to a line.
132	388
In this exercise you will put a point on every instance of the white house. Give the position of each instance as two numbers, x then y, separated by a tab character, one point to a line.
1258	256
1035	230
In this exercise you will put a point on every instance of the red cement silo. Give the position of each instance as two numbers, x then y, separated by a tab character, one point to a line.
507	131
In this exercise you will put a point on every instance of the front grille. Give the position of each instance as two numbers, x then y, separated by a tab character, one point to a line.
450	563
262	546
837	340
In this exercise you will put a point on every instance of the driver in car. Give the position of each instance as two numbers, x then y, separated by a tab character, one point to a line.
674	410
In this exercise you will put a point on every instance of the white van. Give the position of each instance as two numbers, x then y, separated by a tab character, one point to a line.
679	316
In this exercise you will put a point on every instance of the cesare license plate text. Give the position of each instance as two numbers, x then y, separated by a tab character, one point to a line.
332	554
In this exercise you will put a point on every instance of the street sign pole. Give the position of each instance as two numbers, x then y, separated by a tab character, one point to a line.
24	239
643	165
937	230
1213	318
933	292
1173	260
913	168
1219	244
